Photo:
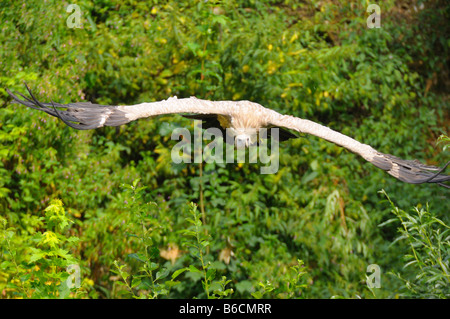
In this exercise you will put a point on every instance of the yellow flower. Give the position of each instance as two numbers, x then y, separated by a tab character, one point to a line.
270	47
154	10
245	68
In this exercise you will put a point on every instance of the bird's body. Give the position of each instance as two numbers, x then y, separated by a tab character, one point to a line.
242	119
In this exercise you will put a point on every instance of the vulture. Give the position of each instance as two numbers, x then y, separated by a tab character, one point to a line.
241	119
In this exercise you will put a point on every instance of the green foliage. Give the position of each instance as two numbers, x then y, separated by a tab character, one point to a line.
445	140
38	266
198	246
293	287
316	60
153	285
428	239
148	273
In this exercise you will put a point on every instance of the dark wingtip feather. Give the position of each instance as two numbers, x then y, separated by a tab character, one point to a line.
411	171
80	115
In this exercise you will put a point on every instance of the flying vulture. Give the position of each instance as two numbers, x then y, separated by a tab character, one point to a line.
241	118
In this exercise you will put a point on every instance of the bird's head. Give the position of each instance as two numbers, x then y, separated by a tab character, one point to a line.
245	138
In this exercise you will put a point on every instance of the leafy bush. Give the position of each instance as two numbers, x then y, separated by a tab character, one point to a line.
428	239
36	268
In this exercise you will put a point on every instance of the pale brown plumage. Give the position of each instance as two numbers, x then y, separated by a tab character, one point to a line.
241	117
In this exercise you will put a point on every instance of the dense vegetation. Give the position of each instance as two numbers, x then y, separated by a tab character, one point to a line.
112	203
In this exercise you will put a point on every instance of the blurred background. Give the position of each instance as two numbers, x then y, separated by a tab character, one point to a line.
308	231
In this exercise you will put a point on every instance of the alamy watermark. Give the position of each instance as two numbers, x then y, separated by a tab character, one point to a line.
373	280
374	20
73	20
187	152
74	279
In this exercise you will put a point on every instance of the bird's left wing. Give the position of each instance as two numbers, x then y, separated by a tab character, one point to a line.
85	115
409	171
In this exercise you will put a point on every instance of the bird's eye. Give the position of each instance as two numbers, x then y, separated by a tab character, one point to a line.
242	141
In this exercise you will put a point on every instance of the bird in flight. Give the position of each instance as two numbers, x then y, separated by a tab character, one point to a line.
241	119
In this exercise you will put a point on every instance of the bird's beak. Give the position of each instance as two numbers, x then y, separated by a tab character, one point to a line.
242	141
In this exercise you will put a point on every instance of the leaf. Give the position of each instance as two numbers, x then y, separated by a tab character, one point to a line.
194	269
205	243
136	256
257	295
194	47
210	274
135	182
153	266
73	239
244	286
135	282
169	284
37	254
154	252
162	274
178	272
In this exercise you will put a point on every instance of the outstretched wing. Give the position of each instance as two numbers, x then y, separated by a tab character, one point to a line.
409	171
86	116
